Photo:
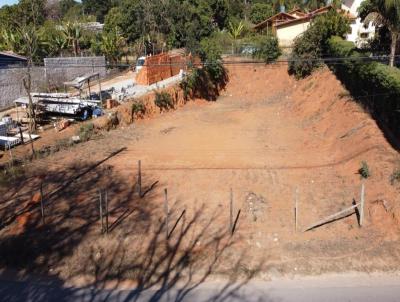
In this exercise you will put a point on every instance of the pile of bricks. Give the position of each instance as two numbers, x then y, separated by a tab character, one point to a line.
161	67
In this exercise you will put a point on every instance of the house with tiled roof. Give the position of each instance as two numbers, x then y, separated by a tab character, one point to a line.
360	33
290	25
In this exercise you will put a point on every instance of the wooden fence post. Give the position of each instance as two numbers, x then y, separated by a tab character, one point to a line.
140	178
11	156
231	212
21	135
106	201
296	209
41	203
166	209
101	210
362	203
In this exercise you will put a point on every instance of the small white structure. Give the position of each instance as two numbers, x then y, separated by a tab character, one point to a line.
360	34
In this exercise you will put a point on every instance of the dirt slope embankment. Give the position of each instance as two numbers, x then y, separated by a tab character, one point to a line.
267	137
334	132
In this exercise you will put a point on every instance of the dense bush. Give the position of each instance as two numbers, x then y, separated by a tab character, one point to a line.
260	12
137	109
267	49
164	101
86	131
364	170
207	80
375	85
309	48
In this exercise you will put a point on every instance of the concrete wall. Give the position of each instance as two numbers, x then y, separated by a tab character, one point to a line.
55	72
59	70
11	84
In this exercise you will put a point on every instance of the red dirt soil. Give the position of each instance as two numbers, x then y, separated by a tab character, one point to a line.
266	136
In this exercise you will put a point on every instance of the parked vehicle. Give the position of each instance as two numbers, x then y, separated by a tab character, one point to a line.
140	63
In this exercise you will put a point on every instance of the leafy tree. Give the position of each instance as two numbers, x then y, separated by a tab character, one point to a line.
267	49
72	33
314	4
113	19
8	15
260	12
111	45
311	45
51	40
66	6
99	8
206	82
385	13
31	12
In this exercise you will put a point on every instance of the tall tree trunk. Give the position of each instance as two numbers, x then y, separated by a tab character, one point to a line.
32	114
75	47
393	45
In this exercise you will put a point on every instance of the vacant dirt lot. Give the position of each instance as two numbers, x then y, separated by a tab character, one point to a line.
265	137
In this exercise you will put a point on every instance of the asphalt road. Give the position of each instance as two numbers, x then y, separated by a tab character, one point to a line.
336	289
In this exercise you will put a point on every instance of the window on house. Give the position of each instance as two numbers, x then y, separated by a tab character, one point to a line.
364	35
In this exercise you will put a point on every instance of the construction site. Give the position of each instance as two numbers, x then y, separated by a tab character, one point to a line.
262	183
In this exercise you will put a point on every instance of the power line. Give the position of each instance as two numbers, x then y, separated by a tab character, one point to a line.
223	62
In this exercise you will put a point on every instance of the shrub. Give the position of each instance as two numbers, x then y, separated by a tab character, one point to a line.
86	131
364	170
376	83
395	177
268	49
138	109
207	81
309	47
164	101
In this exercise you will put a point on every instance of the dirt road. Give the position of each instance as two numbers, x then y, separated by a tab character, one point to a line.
323	289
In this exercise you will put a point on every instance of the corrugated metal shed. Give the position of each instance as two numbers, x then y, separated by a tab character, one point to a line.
9	59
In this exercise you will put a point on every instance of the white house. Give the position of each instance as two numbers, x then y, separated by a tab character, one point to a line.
288	26
360	33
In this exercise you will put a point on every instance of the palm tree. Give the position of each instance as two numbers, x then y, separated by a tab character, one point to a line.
384	13
59	44
112	45
72	33
235	32
11	40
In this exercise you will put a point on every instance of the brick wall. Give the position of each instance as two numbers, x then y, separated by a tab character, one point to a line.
160	67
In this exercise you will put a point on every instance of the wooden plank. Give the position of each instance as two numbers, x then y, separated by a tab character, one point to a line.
331	217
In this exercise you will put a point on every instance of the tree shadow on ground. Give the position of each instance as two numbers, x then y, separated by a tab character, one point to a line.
70	244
